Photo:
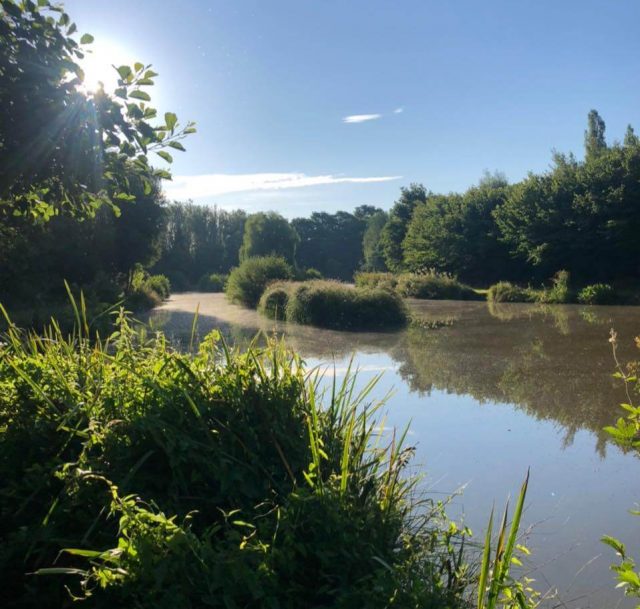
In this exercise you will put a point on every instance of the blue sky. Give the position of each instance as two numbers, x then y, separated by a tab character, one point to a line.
460	86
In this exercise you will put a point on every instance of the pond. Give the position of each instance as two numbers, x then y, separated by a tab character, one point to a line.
490	391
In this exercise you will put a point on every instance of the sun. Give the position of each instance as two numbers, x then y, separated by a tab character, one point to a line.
98	64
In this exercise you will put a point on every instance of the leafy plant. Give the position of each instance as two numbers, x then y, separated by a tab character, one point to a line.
597	293
213	282
248	281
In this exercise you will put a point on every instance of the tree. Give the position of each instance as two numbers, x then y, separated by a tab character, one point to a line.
62	150
457	234
630	137
594	140
332	243
268	234
394	232
373	256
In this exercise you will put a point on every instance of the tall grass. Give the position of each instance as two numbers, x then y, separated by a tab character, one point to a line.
139	476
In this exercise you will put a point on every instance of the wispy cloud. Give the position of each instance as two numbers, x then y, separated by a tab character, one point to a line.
216	184
399	110
361	118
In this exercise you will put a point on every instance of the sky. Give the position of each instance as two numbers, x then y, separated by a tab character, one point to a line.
321	105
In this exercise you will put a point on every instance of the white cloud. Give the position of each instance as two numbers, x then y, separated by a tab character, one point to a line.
216	184
399	110
361	118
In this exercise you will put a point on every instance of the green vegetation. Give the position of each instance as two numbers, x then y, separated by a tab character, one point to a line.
215	282
504	291
435	286
626	433
386	281
268	235
274	300
597	293
330	304
248	281
134	475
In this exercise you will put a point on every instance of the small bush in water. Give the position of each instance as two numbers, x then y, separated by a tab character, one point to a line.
597	294
331	304
274	300
504	291
248	281
215	282
433	285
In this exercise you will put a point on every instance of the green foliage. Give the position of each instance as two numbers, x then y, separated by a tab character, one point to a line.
457	234
136	476
395	230
332	243
330	304
497	587
435	286
214	282
559	292
626	433
311	273
159	284
274	300
248	281
269	234
198	240
597	294
504	291
63	151
386	281
372	252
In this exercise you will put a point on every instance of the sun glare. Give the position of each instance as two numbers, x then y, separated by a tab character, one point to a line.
98	64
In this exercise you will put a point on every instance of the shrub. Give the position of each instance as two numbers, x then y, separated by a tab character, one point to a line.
435	286
248	281
331	304
504	291
179	480
274	300
159	284
559	292
310	274
215	282
386	281
597	294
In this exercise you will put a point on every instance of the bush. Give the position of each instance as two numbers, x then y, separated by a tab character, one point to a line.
597	294
213	479
559	293
274	300
310	274
159	284
330	304
179	280
434	286
504	291
215	282
386	281
248	281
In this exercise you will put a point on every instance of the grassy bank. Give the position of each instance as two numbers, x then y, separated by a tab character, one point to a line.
138	476
429	285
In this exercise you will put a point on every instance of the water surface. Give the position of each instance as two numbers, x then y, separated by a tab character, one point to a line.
490	391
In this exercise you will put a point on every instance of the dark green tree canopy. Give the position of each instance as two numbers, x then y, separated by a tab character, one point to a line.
395	230
268	234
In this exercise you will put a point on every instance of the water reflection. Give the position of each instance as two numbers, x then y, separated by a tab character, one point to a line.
553	362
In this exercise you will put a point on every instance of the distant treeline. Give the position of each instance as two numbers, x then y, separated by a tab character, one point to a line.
580	216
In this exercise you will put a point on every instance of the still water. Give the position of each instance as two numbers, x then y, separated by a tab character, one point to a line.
490	391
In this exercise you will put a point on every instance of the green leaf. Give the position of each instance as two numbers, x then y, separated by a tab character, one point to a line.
86	39
138	67
140	95
124	71
177	146
150	74
170	120
72	29
165	155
